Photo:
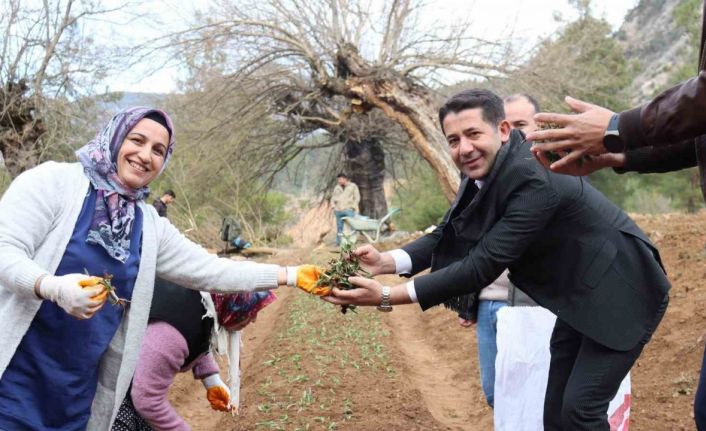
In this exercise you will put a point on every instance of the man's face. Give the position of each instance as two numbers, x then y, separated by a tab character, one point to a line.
168	199
520	114
342	181
473	143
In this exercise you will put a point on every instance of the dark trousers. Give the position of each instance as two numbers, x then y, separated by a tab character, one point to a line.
584	376
700	400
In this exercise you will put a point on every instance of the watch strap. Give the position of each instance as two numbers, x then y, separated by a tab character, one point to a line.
385	300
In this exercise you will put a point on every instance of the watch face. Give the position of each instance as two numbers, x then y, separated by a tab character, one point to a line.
613	143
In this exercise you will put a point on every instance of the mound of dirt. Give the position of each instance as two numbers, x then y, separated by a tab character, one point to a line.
313	226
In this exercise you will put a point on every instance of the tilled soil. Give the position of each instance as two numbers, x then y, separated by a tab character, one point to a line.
308	367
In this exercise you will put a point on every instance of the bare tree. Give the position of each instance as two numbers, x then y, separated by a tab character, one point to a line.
325	61
44	57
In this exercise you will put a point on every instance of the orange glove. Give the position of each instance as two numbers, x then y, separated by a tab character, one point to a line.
217	393
95	281
306	278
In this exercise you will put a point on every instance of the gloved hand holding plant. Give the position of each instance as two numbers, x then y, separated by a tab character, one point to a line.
306	277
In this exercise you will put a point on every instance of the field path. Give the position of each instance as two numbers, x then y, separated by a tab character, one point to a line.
451	394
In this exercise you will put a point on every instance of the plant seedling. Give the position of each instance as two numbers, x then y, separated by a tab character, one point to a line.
338	271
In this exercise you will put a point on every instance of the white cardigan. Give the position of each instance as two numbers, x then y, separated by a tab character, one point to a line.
38	213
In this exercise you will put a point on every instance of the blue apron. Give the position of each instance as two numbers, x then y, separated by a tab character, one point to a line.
52	377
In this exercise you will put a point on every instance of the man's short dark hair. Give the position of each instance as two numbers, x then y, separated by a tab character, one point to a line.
519	96
490	104
170	192
342	175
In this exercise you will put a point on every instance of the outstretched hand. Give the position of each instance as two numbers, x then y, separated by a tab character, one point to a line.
578	135
585	166
367	292
307	277
373	261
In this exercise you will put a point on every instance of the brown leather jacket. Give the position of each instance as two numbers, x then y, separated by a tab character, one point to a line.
669	132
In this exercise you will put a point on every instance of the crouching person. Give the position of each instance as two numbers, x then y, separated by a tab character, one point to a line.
178	339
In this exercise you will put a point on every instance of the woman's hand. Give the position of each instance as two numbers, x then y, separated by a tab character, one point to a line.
67	293
305	278
217	393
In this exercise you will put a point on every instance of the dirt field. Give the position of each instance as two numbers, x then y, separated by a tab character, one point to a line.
308	367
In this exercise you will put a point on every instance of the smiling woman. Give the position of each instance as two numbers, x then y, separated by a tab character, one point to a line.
67	360
142	155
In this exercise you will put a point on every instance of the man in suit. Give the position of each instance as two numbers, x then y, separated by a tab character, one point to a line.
482	309
566	245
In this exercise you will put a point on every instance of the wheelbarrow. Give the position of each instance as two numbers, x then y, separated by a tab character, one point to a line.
371	229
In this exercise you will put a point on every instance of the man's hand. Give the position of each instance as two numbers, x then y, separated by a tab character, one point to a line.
217	393
373	261
581	134
585	166
367	292
67	293
465	322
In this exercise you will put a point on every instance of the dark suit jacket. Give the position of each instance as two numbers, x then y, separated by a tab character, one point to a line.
566	245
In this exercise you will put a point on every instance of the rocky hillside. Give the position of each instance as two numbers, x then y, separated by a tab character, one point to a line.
653	39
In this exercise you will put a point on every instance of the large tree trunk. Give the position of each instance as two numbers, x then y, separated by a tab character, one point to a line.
365	164
408	104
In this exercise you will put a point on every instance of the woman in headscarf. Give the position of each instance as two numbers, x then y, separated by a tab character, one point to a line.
63	364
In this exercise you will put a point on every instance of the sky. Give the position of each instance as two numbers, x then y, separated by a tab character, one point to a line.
525	21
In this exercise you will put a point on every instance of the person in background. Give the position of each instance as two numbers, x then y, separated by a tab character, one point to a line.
67	360
520	109
519	112
160	204
345	200
567	245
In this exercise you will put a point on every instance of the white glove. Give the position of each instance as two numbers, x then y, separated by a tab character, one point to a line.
66	293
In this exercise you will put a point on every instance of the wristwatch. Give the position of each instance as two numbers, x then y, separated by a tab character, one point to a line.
385	303
611	137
